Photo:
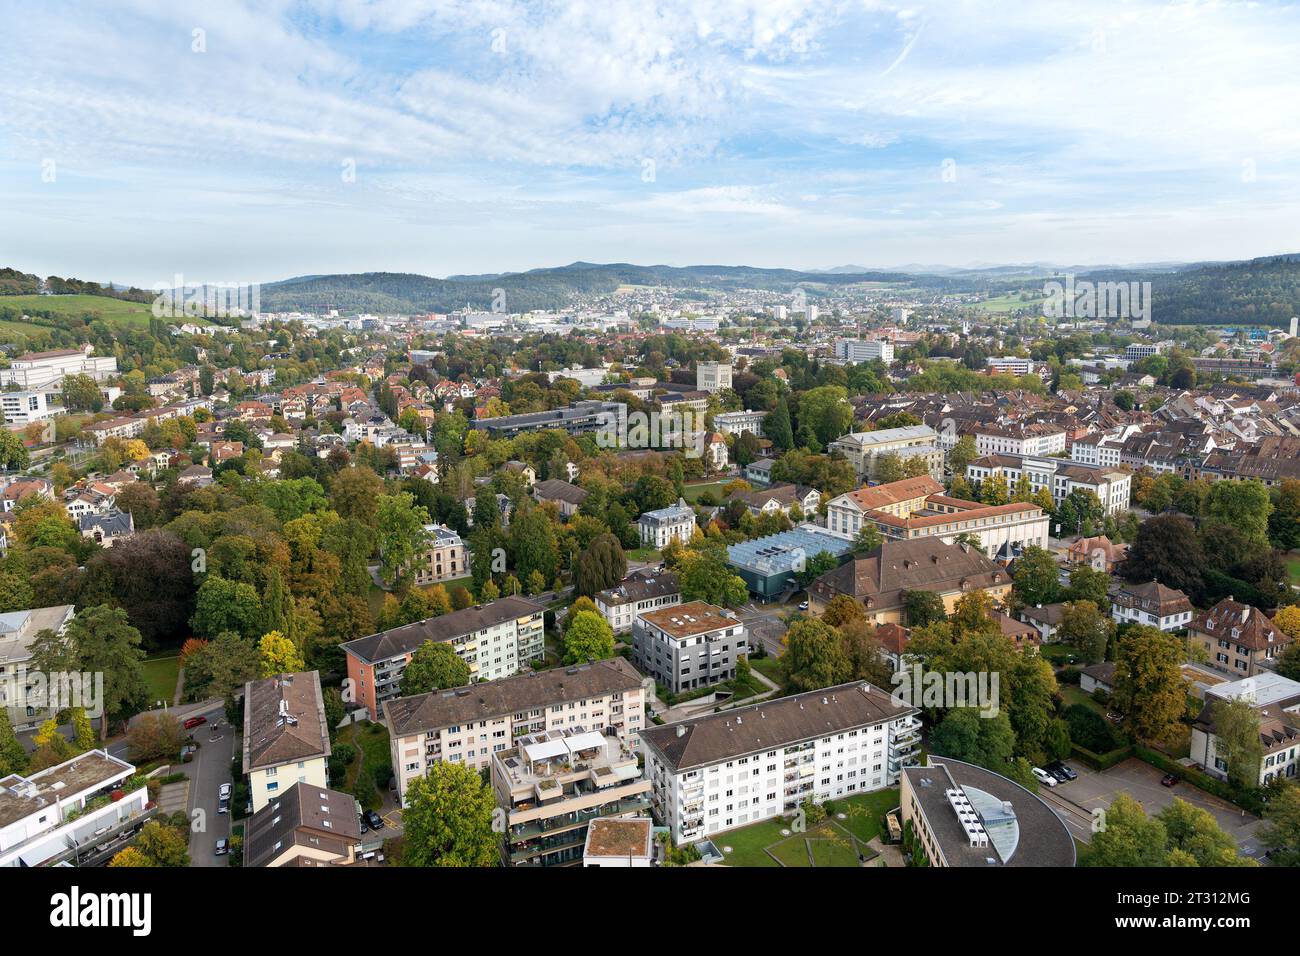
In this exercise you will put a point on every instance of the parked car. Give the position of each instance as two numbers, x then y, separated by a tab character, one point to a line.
1061	772
375	820
803	605
1112	716
224	805
224	791
187	753
1169	780
193	722
362	821
1043	777
223	847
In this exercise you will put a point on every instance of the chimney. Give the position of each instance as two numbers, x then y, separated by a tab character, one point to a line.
681	731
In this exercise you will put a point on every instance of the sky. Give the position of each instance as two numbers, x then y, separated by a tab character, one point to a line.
252	140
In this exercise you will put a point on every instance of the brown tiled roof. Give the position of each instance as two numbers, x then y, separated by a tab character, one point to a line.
284	720
403	640
1239	623
881	496
918	564
1155	596
511	695
893	637
772	724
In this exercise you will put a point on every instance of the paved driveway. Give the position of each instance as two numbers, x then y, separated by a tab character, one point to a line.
209	769
1075	801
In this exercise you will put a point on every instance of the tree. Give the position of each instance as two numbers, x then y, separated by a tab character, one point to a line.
814	567
843	609
922	608
1244	505
13	756
1129	839
154	735
1035	576
587	636
400	523
1149	686
1237	742
827	411
448	819
279	655
1196	832
962	454
1089	584
1166	550
776	426
1086	628
221	667
99	639
965	735
599	566
994	491
867	539
1281	832
433	666
148	575
704	577
354	493
81	394
222	605
532	545
13	453
163	845
814	657
888	468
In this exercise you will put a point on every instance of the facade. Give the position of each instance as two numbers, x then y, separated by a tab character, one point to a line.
553	784
688	646
740	766
286	737
859	350
846	514
1001	530
1276	700
23	408
759	472
468	725
65	814
1112	486
22	695
446	559
712	376
1237	638
37	371
640	591
304	826
782	499
1009	365
1151	604
737	423
879	581
1034	440
964	815
865	449
665	525
496	640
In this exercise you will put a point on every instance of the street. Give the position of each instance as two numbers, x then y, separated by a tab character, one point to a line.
209	769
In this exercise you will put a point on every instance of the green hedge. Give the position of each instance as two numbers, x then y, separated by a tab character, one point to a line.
1102	761
1248	800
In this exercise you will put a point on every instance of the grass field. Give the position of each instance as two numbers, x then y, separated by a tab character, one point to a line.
750	845
1293	567
371	741
1008	303
160	676
111	310
693	492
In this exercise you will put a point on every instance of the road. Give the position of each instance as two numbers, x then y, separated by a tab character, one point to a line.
766	628
209	769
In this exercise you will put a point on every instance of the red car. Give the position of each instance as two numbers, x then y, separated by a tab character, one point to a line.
1169	780
194	722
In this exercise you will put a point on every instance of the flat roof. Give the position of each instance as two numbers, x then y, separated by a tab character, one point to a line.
687	620
780	552
611	837
22	796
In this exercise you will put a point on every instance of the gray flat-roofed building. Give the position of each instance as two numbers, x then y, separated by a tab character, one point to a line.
688	646
585	416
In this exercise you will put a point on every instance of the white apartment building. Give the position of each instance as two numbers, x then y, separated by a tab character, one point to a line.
23	696
1009	365
467	725
39	370
737	423
286	735
729	769
1112	486
65	814
664	525
712	376
868	350
640	591
23	408
865	449
1276	700
1151	604
1035	439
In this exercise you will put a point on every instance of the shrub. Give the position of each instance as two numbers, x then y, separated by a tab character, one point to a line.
1088	729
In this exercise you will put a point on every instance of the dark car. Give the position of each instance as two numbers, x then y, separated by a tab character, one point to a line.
361	820
222	848
375	820
224	805
1169	780
1061	772
194	722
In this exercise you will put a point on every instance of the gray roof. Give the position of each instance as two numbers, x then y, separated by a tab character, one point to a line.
641	586
296	816
510	695
114	524
403	640
284	720
771	724
556	489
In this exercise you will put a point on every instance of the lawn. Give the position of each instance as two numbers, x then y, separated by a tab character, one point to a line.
1073	694
693	492
160	677
109	309
1009	303
862	812
1293	567
644	555
770	667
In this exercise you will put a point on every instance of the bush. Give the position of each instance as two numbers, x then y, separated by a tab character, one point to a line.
1089	730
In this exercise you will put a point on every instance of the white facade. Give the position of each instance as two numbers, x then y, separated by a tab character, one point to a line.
1010	364
859	350
39	370
1027	441
23	408
1113	487
712	376
674	523
737	423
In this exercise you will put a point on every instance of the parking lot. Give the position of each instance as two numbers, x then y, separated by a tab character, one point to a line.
1075	801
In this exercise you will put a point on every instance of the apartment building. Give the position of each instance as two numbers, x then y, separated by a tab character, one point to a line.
737	423
1033	439
1152	604
23	408
578	418
496	640
879	581
286	737
66	814
845	515
23	695
1237	638
860	350
1112	486
467	725
1276	700
865	449
640	591
964	815
1009	365
553	784
737	767
665	525
688	646
304	826
712	376
38	371
446	559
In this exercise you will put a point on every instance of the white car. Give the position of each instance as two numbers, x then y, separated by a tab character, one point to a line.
1043	777
224	792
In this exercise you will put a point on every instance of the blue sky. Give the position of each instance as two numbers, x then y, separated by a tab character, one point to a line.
143	139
